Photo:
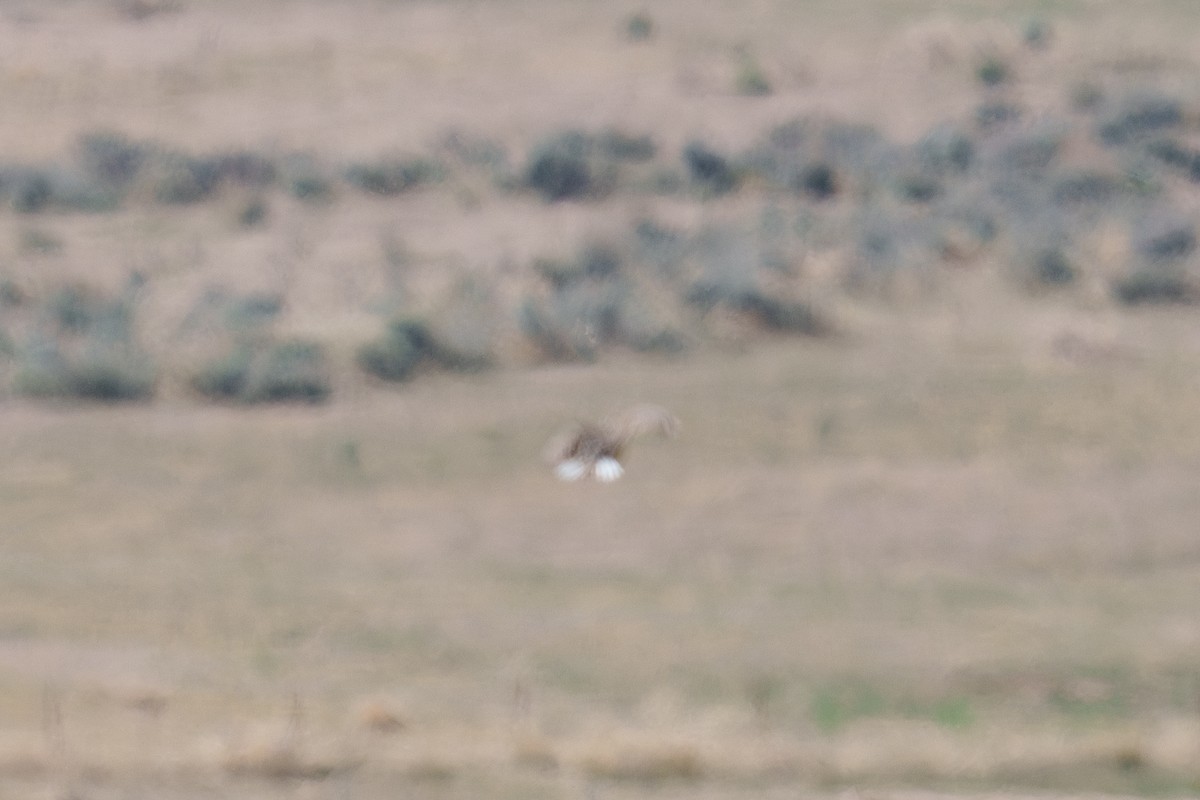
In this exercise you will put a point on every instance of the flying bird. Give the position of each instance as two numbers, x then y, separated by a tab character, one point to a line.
590	449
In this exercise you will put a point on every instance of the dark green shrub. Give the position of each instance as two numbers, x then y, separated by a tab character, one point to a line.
1139	114
623	146
1037	33
894	252
816	180
596	261
559	168
246	169
253	212
74	309
751	81
30	190
1087	187
1156	284
853	148
39	241
107	372
709	170
391	176
82	347
182	180
73	191
1178	155
660	247
292	370
224	377
267	371
599	261
1164	235
111	158
395	355
1086	96
993	71
917	186
639	27
1025	153
1052	267
996	114
777	314
946	149
305	179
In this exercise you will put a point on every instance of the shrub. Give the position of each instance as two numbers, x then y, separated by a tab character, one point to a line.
476	152
251	313
246	169
853	148
778	314
1025	153
1087	187
918	186
660	247
997	113
571	324
30	190
306	179
751	81
993	71
1086	96
181	179
559	167
395	355
708	169
1164	235
1155	283
74	191
1052	267
253	212
728	262
584	308
1139	114
102	371
289	370
266	371
39	241
111	158
391	176
1177	155
946	149
893	252
622	146
817	180
82	347
1036	33
639	27
224	377
73	309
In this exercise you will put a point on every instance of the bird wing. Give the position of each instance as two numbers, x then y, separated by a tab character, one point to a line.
642	419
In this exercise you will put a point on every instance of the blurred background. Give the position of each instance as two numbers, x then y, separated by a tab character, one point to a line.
292	294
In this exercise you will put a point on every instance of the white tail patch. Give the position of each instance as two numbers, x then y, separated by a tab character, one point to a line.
608	470
570	470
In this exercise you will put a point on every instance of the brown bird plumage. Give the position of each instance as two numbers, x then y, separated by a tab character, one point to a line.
596	449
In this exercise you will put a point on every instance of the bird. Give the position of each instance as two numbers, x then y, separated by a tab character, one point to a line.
595	449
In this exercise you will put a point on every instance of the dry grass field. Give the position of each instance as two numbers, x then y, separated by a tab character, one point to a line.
951	547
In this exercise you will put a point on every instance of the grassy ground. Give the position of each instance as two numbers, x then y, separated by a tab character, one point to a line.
952	547
942	560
